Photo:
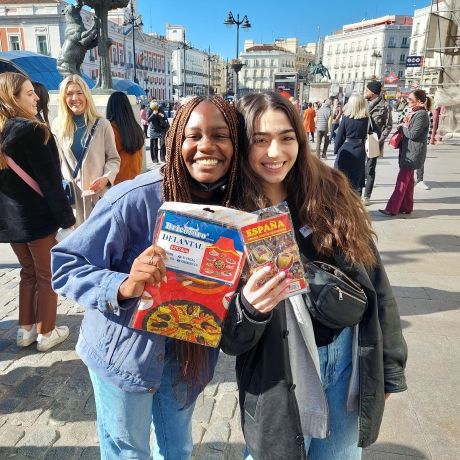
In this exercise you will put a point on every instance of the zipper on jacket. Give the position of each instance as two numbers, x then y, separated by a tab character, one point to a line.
341	292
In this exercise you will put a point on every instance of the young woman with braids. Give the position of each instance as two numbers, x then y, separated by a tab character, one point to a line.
140	378
307	389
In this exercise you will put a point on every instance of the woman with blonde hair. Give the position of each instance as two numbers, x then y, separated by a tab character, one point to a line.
89	157
33	207
350	141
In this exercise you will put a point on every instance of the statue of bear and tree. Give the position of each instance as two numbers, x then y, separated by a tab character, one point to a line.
101	10
77	41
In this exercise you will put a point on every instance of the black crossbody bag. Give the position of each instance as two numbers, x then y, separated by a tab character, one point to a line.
67	184
335	300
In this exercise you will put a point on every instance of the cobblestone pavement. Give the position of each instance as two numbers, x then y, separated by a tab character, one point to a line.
46	404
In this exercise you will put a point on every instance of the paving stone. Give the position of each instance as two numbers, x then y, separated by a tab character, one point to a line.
52	385
74	434
10	436
31	411
4	344
36	442
226	405
9	405
90	453
203	409
28	387
7	359
64	452
216	436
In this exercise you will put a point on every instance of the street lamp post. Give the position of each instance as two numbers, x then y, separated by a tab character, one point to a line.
376	55
245	24
135	21
210	59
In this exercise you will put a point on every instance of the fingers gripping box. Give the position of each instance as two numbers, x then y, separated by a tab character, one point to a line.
205	259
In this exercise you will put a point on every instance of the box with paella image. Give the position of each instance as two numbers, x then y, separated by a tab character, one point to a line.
271	241
205	257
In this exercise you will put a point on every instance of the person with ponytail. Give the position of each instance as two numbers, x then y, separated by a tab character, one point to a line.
412	154
141	379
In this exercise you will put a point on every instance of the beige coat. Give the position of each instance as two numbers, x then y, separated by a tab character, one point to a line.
101	160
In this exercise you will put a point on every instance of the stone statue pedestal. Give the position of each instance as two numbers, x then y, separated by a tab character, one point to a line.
319	91
100	98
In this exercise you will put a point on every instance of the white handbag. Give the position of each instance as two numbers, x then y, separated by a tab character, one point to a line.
372	144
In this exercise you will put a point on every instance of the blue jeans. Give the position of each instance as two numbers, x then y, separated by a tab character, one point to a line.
335	366
124	419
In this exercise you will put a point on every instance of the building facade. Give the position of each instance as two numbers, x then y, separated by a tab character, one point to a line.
40	26
377	47
262	62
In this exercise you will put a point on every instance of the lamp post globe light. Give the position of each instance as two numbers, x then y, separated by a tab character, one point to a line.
376	55
134	21
245	24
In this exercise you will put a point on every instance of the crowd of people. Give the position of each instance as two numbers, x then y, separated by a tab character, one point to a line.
305	388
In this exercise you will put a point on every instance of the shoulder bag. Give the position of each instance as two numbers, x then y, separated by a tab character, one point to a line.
395	139
29	180
335	300
67	184
372	144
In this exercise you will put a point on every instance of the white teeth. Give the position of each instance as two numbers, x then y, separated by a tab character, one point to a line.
207	162
276	165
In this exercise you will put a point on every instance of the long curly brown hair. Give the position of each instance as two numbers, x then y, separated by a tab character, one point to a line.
193	358
321	195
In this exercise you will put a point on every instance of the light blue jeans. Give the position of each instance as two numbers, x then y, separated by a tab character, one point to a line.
125	419
336	367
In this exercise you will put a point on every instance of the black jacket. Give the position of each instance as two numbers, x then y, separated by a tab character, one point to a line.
25	215
269	409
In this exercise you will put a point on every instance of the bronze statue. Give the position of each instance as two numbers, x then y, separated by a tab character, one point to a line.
77	41
319	69
101	10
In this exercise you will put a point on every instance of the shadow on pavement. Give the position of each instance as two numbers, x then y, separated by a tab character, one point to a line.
54	453
390	451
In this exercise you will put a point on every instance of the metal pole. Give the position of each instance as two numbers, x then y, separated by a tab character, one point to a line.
237	51
185	84
133	22
209	71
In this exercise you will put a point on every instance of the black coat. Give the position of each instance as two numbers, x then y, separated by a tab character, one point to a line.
351	155
269	409
25	215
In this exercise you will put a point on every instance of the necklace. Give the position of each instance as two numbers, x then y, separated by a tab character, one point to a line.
78	126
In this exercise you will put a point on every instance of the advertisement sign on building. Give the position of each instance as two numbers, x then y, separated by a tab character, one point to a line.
414	61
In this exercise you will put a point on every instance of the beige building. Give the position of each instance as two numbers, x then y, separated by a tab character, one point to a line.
377	47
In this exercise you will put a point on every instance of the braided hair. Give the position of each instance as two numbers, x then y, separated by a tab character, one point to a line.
193	357
175	185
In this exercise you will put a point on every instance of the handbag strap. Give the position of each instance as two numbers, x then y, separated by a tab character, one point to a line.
30	181
85	149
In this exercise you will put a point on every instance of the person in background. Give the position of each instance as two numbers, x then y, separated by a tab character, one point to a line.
381	114
336	116
323	127
144	122
412	154
158	127
142	380
307	390
43	101
33	207
129	137
350	141
99	164
419	183
309	121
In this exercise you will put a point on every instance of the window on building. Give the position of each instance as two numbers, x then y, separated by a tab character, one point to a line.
401	74
345	47
42	45
366	46
391	42
415	47
417	28
374	43
402	59
14	43
404	42
338	49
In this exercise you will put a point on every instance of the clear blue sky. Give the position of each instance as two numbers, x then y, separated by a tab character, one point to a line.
270	19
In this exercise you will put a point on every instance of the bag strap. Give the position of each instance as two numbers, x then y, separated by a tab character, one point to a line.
31	182
85	149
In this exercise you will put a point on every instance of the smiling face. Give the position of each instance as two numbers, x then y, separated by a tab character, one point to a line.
273	152
27	99
207	149
75	99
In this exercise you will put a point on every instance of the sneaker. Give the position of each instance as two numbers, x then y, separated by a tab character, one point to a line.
25	338
422	186
58	335
366	201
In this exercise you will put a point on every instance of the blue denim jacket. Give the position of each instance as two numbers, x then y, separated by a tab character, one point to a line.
89	266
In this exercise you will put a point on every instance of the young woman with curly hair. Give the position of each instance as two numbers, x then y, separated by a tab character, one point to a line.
140	378
306	388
